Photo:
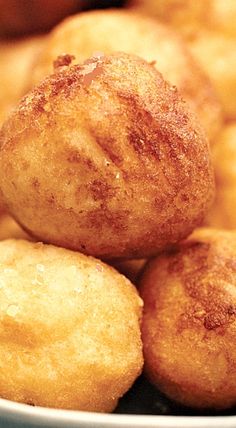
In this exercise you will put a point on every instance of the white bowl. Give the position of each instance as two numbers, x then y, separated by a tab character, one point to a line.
14	415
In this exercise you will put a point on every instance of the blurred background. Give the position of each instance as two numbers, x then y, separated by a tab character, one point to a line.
22	17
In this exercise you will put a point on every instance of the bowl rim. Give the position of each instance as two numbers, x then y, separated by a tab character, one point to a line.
49	416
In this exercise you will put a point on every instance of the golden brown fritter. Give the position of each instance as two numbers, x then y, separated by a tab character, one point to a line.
105	158
16	59
26	16
189	325
222	213
90	32
69	329
188	15
217	55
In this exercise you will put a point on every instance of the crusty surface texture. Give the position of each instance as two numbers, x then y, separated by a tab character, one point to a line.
16	58
105	158
26	16
90	32
189	324
188	15
223	214
69	329
9	229
217	55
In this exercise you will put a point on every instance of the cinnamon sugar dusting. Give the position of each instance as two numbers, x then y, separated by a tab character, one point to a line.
204	281
63	61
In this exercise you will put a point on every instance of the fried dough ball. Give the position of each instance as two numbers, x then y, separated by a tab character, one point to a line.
69	329
105	158
188	15
189	325
217	55
222	213
9	229
16	59
90	32
26	16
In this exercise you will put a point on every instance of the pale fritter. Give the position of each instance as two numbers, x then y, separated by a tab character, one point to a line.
188	15
217	55
16	58
90	32
105	158
223	213
189	324
69	329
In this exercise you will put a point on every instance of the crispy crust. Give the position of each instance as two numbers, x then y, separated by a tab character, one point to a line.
190	318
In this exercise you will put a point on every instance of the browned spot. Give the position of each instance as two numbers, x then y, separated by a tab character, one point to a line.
62	82
232	310
101	190
103	217
74	156
141	145
35	183
63	61
108	146
143	132
51	199
218	318
153	135
37	102
203	276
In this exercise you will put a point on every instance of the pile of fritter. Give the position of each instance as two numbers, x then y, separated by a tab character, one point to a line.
117	133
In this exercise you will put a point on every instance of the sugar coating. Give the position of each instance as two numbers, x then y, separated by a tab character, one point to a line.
69	325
